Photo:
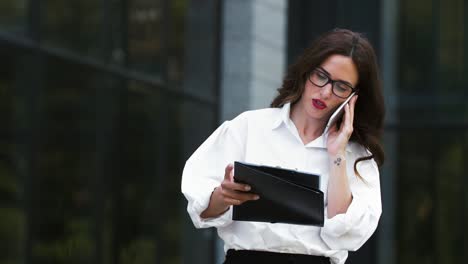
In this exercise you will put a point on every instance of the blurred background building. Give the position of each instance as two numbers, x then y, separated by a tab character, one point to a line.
102	101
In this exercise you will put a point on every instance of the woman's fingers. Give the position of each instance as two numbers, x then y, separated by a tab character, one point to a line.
347	124
229	201
239	199
228	172
235	186
349	120
235	193
345	121
240	195
352	106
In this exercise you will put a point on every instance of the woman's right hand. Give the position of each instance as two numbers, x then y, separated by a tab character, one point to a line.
227	194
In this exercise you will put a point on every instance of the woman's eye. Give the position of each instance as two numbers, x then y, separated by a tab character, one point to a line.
322	76
342	87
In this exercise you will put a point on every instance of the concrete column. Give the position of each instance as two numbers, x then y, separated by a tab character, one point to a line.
253	54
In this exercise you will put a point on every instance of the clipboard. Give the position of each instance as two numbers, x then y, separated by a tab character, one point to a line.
286	196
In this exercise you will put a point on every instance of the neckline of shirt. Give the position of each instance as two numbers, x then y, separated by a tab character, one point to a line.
284	118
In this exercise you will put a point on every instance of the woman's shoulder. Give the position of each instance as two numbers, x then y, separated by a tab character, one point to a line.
247	122
253	119
259	116
264	113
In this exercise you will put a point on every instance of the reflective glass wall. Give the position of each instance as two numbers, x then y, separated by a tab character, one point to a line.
92	141
432	174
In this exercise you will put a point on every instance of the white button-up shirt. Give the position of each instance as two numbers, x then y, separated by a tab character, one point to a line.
269	137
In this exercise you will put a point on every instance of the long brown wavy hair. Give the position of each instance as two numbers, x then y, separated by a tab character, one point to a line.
369	110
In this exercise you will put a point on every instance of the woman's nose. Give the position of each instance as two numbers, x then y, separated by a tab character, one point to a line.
326	91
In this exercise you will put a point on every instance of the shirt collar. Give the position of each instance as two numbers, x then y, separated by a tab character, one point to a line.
283	118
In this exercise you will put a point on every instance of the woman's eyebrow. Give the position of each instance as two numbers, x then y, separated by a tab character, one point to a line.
324	71
329	75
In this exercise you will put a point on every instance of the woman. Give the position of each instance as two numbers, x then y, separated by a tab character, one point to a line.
291	134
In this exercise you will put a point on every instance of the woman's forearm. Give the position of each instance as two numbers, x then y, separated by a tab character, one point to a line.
339	192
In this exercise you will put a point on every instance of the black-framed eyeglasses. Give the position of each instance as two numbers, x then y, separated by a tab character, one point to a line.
339	88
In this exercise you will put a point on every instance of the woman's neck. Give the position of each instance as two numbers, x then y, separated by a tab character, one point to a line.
309	129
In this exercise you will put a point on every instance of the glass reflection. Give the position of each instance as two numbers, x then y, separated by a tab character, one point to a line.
145	31
13	216
433	133
73	25
13	16
90	161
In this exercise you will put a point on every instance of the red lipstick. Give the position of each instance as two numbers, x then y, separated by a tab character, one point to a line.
319	104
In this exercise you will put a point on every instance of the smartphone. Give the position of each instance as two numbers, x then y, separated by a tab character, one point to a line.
337	114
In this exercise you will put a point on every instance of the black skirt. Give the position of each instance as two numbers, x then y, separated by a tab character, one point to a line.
250	256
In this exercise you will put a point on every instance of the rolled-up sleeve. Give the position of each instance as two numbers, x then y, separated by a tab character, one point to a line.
204	171
349	231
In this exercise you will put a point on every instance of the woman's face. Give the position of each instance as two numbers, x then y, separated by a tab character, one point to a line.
320	102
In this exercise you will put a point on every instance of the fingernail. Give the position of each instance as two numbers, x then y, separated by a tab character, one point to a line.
247	188
256	197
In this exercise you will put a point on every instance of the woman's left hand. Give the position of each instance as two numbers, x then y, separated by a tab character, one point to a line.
338	138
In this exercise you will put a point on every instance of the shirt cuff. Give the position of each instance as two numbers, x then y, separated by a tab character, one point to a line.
350	230
197	207
342	223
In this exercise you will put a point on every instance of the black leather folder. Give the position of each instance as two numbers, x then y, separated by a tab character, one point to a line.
286	196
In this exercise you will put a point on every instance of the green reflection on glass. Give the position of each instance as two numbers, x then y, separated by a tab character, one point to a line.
13	15
72	24
145	31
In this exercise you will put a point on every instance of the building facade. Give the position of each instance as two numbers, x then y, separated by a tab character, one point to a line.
103	101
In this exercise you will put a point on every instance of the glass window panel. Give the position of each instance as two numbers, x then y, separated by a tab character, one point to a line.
432	61
96	159
75	25
415	198
432	172
145	35
136	188
66	174
195	121
417	71
59	147
430	193
13	16
451	44
13	216
176	58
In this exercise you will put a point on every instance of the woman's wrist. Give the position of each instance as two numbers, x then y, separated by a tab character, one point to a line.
337	159
335	154
216	207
